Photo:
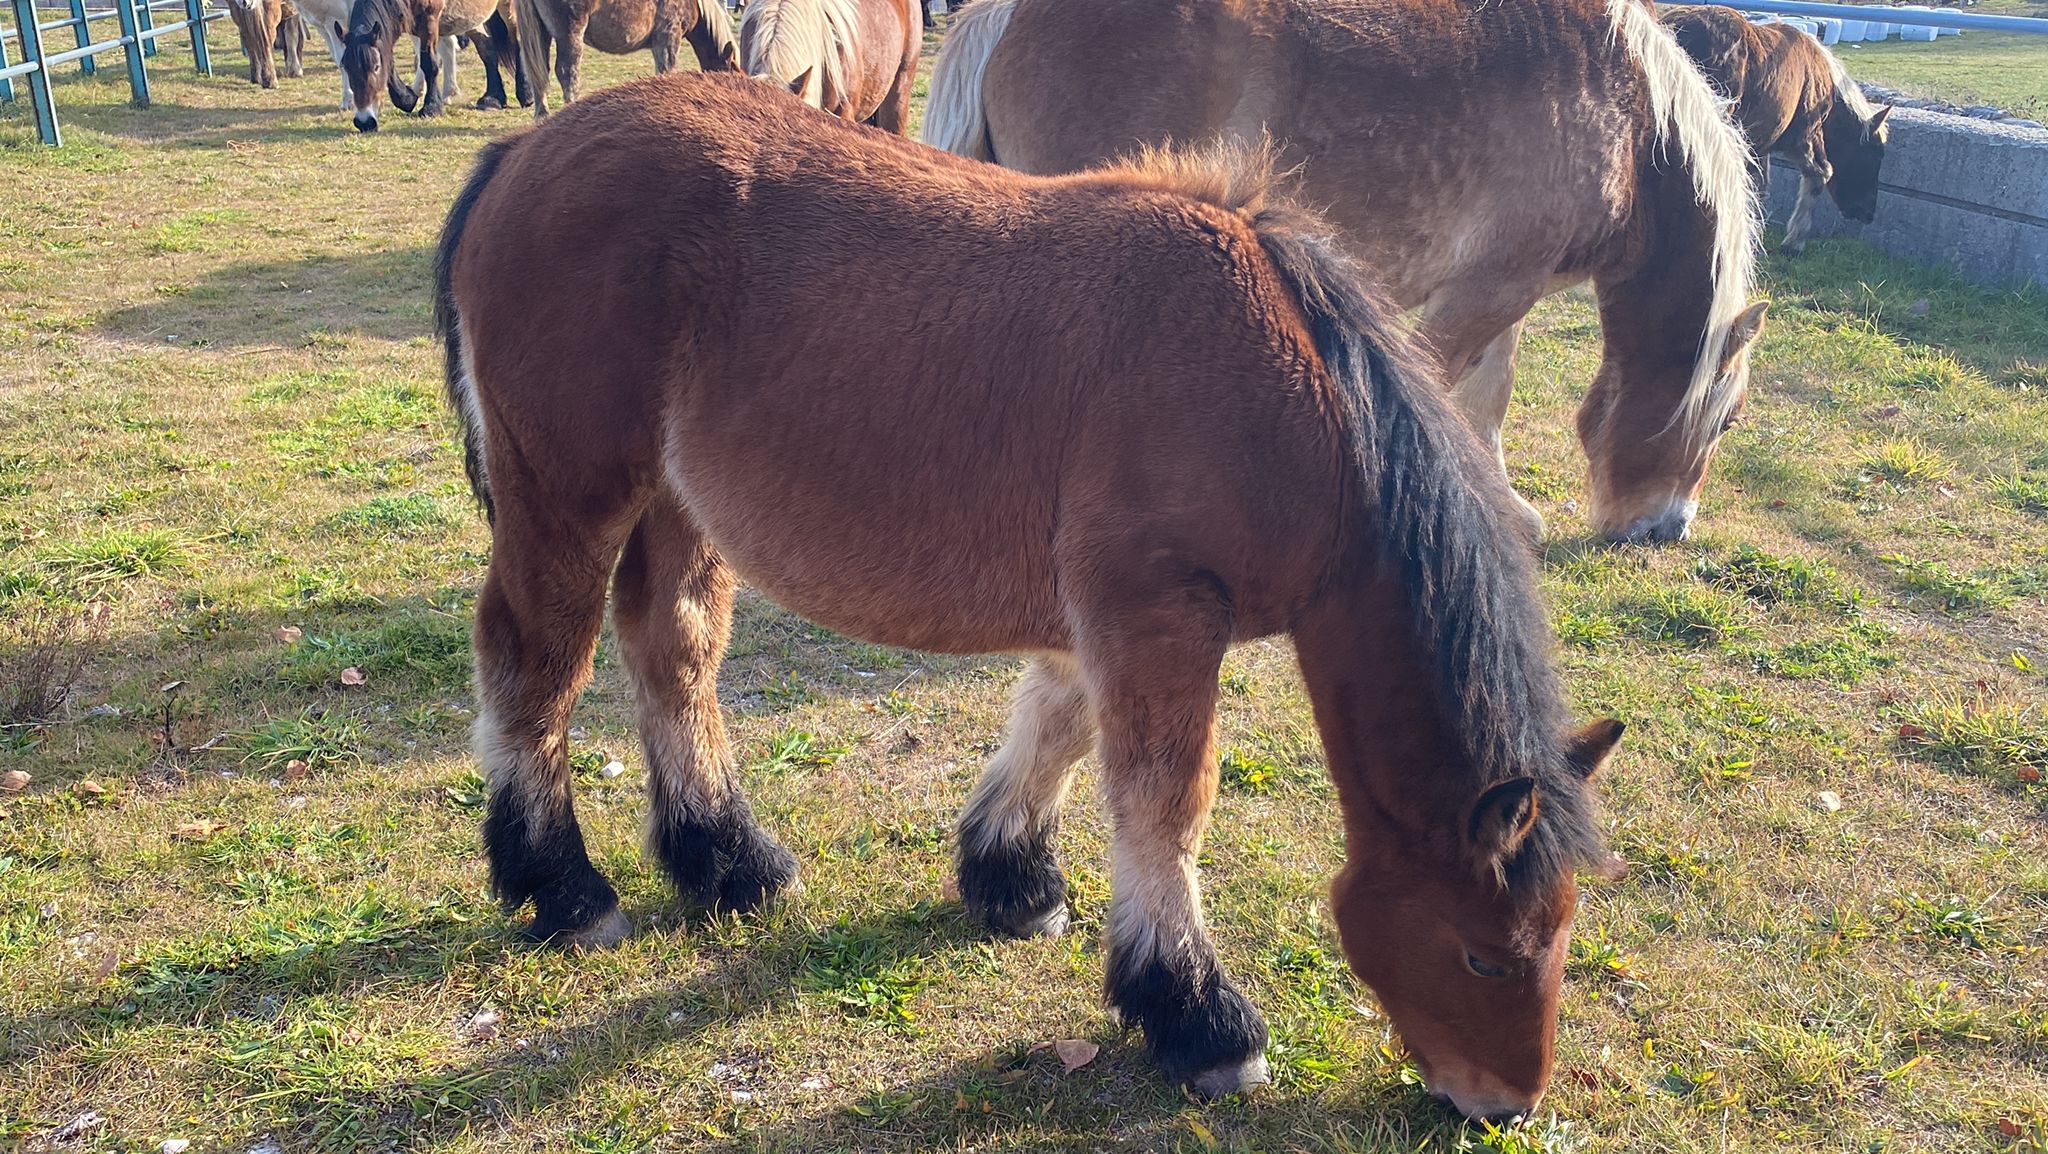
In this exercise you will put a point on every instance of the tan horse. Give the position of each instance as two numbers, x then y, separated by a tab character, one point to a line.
369	49
266	28
619	27
1117	421
1793	98
855	59
1478	154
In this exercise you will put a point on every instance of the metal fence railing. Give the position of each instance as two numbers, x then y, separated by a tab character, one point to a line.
24	56
1917	16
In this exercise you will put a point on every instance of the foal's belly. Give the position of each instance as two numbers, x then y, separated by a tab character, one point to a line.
619	28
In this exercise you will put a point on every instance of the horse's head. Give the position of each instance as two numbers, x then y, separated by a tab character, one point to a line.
1855	151
366	51
1649	437
1462	934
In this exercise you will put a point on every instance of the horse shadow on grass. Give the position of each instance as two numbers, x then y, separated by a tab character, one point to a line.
381	294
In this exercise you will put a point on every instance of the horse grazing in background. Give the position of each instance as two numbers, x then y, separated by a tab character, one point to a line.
268	27
855	59
1151	413
1477	154
369	44
619	27
1794	99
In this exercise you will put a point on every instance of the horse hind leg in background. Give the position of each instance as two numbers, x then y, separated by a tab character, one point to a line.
258	23
291	40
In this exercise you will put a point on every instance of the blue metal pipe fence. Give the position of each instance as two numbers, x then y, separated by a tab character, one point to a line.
1885	14
139	32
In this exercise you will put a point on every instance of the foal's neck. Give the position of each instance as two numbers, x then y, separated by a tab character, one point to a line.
1391	754
1656	295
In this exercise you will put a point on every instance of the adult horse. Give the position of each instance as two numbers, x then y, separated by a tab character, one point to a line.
619	27
1478	155
497	46
855	59
268	27
1149	415
1794	99
369	45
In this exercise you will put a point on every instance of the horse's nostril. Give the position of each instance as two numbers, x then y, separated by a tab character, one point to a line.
366	123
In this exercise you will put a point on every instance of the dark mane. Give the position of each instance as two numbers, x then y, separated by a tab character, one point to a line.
1441	529
396	17
460	387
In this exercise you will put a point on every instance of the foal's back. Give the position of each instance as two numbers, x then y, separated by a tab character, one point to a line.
910	396
1777	75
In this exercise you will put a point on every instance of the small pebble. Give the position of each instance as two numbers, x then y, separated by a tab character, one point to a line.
175	1145
1829	800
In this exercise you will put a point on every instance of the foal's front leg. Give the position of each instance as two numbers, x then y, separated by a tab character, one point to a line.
1814	171
430	67
1156	706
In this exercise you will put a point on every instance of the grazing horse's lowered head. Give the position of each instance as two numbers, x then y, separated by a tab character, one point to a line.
1855	134
367	44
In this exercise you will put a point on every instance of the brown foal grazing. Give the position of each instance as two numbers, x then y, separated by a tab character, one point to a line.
1793	98
268	27
1478	155
1150	414
370	46
619	27
855	59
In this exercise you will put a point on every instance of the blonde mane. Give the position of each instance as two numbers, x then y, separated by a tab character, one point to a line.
1687	108
714	19
783	39
1848	91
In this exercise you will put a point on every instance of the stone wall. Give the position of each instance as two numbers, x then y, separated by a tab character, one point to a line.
1967	194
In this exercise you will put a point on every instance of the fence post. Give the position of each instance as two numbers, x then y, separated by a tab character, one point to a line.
195	11
147	20
6	85
39	80
86	65
131	31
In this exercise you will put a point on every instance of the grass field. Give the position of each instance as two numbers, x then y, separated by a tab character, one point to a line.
248	911
2005	69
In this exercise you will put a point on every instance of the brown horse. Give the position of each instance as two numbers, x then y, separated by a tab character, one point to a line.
1478	154
497	46
855	59
1792	98
369	44
619	27
1148	415
268	27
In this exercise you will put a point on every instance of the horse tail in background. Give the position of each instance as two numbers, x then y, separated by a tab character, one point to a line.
448	322
501	38
956	116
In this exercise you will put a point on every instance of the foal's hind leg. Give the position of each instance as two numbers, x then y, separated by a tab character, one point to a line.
1010	878
537	623
673	611
569	61
1153	686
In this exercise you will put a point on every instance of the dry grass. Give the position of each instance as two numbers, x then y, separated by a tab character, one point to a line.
219	417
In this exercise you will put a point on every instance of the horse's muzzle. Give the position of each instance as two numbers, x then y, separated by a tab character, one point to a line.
366	121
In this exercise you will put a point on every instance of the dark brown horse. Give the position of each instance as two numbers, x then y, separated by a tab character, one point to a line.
369	50
497	46
1117	421
856	59
1794	99
1478	154
619	27
268	27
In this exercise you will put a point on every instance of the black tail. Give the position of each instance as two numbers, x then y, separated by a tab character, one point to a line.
501	36
446	318
1443	530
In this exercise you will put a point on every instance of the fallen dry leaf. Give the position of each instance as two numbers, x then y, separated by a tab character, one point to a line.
14	781
1829	800
89	789
295	769
77	1128
198	830
2010	1127
949	889
107	966
1888	412
1911	731
352	676
2028	774
289	634
1075	1053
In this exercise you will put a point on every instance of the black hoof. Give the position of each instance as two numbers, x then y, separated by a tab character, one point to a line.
1201	1030
726	861
1016	890
489	104
607	931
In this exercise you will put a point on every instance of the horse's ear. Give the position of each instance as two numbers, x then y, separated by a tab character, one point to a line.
340	33
797	86
1877	119
376	29
1588	749
1503	817
1746	326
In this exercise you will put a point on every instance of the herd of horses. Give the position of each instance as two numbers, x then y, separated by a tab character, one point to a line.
1087	383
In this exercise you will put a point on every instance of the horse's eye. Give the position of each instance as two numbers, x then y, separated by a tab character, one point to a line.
1734	419
1484	968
